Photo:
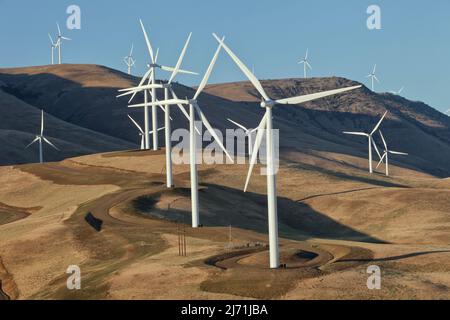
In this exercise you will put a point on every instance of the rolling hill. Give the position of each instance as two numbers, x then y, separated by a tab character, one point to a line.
83	97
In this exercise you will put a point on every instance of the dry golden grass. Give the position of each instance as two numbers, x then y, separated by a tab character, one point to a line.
340	224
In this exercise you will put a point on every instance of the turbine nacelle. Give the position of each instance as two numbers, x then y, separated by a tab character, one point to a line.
268	104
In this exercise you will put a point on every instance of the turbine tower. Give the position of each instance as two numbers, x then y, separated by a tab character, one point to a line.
306	64
370	140
386	154
167	89
193	109
53	46
248	132
373	77
129	60
40	138
59	43
266	127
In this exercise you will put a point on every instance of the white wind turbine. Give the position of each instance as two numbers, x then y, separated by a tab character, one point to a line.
59	42
386	154
40	138
167	87
150	75
193	109
373	77
141	132
306	64
53	46
398	92
248	132
266	124
370	140
129	60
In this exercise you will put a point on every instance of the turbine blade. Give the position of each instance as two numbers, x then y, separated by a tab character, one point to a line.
146	75
237	124
244	69
147	40
309	66
208	72
180	59
46	140
374	69
379	123
59	29
356	133
381	160
258	140
399	153
136	124
42	122
157	55
211	130
170	69
157	103
376	148
34	141
384	141
314	96
132	47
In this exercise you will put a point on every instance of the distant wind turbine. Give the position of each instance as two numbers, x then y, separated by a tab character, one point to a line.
53	46
306	64
370	139
386	154
248	133
129	60
373	77
141	132
40	138
398	92
59	42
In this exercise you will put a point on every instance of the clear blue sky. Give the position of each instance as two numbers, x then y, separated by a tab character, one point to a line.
411	50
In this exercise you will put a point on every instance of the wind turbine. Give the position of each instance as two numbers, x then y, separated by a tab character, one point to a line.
129	60
141	132
370	140
167	87
266	123
305	63
150	76
40	138
194	109
53	47
373	77
386	154
398	92
59	42
248	133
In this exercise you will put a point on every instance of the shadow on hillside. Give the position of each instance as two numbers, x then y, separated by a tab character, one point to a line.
394	258
222	206
344	176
